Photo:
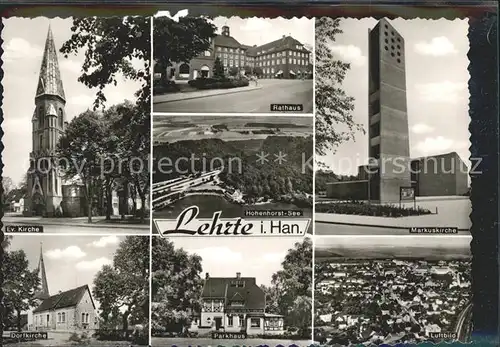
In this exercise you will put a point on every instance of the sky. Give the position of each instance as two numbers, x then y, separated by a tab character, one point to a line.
258	31
24	41
224	256
70	261
436	82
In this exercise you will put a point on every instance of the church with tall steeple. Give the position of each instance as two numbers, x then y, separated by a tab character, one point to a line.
45	186
71	310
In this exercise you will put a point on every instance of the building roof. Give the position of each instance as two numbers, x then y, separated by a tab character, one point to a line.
68	298
286	42
220	288
49	82
226	41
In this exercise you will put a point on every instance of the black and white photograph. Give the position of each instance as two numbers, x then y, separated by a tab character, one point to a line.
62	290
77	147
231	291
374	290
392	138
232	164
233	65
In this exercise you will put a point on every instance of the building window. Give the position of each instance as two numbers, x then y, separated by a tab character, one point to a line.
240	320
207	53
231	62
41	142
59	318
60	118
87	318
83	317
230	321
225	62
63	317
375	130
272	70
184	69
255	322
40	116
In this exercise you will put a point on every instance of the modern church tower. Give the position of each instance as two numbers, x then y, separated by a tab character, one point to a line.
387	118
48	124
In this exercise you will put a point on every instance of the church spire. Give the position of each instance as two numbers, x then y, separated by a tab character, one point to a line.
43	293
49	82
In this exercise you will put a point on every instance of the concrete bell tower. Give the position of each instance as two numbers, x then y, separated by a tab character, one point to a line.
48	124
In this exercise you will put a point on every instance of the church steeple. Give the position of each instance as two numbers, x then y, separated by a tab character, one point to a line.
44	290
49	82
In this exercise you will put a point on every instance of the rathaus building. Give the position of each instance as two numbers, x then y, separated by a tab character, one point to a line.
283	58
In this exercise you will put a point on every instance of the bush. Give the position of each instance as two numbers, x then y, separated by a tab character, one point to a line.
141	337
168	87
218	83
74	337
363	209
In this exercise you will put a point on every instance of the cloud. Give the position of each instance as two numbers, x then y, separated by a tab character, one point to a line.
71	66
217	253
95	264
439	144
71	252
274	257
445	91
349	53
421	128
104	241
256	24
437	46
82	100
17	48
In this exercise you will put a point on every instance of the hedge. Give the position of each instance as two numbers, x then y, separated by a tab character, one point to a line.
213	83
363	209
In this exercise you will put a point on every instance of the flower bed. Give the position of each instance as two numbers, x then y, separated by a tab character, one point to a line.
213	83
363	209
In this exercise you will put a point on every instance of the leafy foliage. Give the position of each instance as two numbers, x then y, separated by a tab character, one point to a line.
290	292
19	284
218	69
364	209
180	41
111	45
176	285
271	180
323	177
125	284
333	106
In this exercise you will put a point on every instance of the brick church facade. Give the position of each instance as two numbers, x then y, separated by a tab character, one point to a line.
49	195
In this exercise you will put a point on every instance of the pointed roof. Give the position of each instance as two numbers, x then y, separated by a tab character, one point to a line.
65	299
49	82
43	293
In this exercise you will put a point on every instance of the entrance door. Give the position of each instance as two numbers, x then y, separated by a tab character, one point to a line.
195	74
218	323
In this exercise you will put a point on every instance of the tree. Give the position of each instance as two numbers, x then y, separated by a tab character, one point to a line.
233	71
333	106
180	41
20	283
218	70
7	185
125	284
248	70
83	146
258	71
291	287
111	45
176	285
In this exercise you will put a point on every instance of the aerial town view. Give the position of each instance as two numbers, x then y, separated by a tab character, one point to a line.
231	164
372	290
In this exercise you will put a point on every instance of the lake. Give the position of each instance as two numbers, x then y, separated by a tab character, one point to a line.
209	204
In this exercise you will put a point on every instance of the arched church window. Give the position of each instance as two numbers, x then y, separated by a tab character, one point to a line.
60	115
41	116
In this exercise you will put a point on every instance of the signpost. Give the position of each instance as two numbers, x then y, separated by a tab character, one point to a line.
407	194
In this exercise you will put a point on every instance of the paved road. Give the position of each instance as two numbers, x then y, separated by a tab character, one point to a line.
463	324
185	342
338	229
256	101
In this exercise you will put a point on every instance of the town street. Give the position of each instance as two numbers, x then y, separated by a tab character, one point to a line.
76	225
322	228
254	101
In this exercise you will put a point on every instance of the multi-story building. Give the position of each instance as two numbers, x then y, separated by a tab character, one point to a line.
237	304
283	58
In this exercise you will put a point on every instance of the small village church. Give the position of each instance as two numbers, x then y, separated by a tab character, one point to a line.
73	310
